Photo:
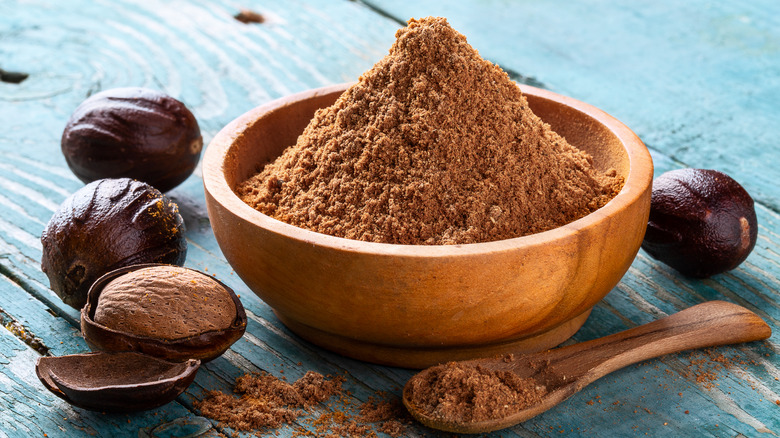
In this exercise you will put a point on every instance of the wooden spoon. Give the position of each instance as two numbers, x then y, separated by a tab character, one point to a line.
566	370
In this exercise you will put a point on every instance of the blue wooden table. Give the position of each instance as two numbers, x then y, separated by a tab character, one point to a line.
699	82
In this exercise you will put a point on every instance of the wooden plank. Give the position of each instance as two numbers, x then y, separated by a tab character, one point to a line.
221	68
196	52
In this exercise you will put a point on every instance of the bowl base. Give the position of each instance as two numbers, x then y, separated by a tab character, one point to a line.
420	357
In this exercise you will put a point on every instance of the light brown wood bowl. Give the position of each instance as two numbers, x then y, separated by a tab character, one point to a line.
418	305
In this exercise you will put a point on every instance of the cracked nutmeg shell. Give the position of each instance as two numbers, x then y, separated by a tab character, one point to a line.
702	222
108	224
133	132
115	382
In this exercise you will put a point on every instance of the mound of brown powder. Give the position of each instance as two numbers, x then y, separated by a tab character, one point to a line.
459	393
433	145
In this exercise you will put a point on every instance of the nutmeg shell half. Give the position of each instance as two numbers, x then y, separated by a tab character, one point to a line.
135	133
206	345
702	222
105	225
115	382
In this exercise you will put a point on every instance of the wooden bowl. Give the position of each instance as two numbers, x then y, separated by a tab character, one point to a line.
417	305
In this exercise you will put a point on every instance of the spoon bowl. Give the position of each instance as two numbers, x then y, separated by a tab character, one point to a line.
565	371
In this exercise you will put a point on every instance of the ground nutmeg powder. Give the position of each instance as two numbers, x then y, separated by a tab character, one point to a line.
433	145
266	402
457	393
261	403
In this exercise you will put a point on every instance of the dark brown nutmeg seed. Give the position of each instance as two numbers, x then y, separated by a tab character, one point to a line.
133	132
105	225
702	222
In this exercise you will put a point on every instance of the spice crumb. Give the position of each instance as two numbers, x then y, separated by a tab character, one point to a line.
248	16
708	365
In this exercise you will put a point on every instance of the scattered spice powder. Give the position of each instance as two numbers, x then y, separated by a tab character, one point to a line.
706	366
266	402
338	424
433	145
456	392
390	414
386	415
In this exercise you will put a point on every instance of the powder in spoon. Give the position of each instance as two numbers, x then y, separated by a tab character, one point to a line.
433	145
459	393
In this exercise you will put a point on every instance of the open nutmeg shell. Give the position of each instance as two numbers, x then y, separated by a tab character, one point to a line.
206	345
115	382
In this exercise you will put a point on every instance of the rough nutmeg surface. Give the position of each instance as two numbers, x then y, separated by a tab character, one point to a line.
165	302
702	222
105	225
135	133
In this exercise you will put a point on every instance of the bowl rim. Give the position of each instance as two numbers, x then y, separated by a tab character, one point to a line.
640	174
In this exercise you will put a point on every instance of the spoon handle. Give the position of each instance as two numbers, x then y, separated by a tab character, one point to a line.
705	325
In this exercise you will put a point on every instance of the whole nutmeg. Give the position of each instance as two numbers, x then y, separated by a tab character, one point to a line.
702	222
132	132
165	311
105	225
165	302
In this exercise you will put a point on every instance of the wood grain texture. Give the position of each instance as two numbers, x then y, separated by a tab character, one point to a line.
661	68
